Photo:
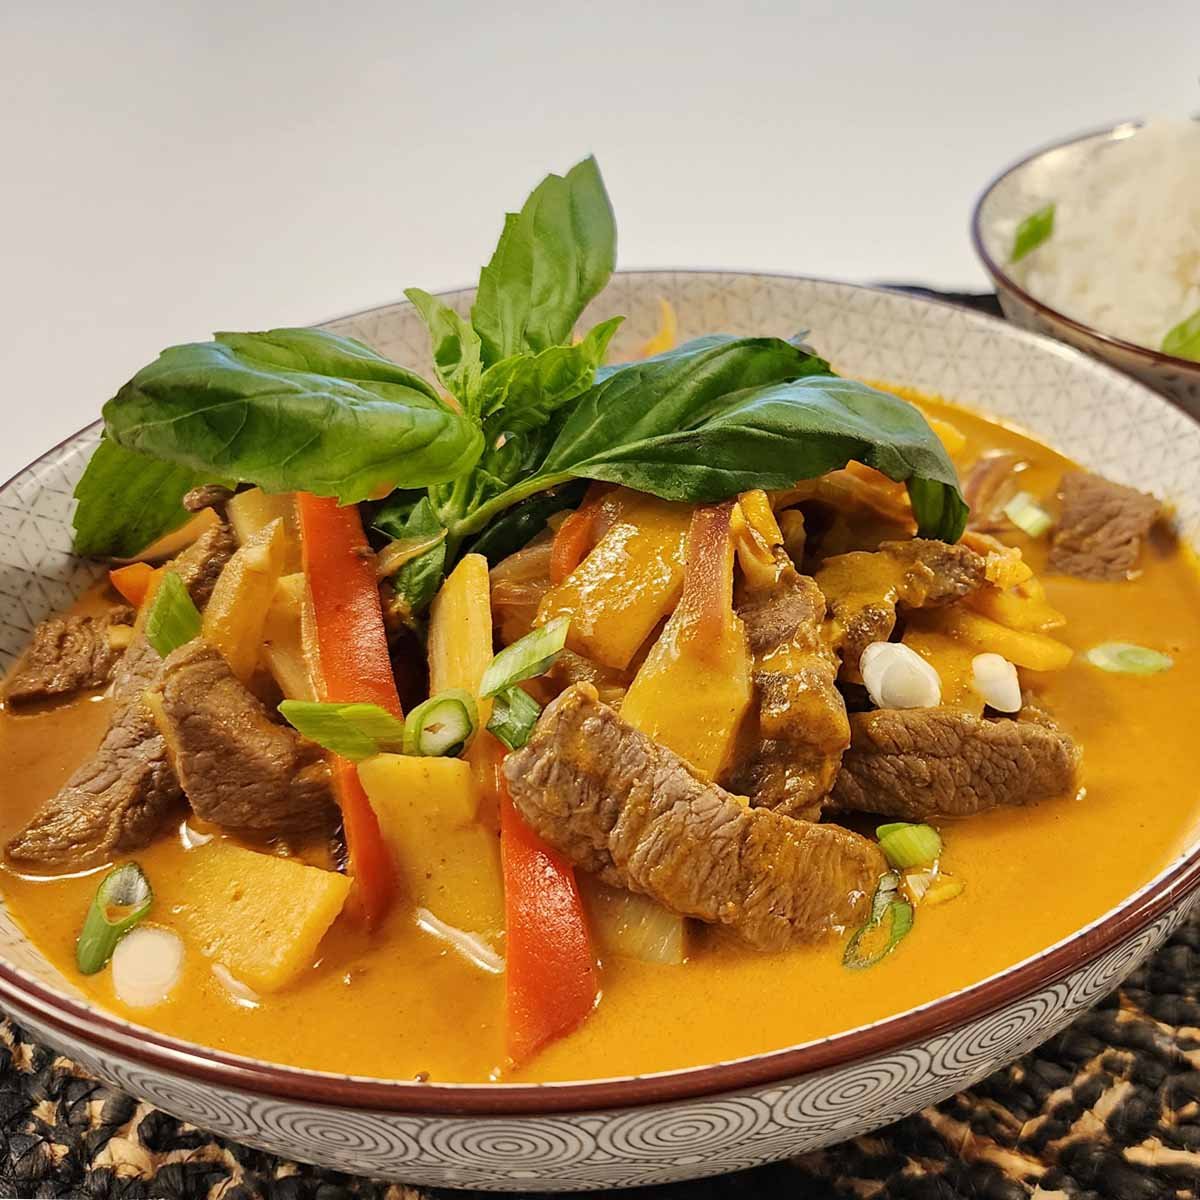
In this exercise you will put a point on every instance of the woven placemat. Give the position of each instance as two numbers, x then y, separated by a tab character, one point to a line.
1109	1109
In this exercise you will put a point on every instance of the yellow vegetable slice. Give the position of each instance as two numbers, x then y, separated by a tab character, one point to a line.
1035	651
694	689
628	583
450	863
259	915
236	614
283	639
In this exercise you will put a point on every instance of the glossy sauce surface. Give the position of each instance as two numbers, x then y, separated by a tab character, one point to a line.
401	1004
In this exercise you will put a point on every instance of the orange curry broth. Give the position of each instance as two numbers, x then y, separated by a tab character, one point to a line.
402	1004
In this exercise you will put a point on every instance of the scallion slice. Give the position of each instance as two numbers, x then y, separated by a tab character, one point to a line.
528	656
1032	232
891	919
173	620
442	726
514	714
1028	515
355	731
1124	658
909	845
123	898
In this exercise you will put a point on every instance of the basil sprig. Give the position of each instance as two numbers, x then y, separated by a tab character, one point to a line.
529	412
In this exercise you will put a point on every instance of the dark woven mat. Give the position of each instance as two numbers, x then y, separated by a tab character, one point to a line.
1109	1109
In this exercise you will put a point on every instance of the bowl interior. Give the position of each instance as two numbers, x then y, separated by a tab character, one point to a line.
1104	419
1024	188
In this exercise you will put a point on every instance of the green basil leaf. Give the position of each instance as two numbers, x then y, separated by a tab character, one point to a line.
417	582
514	714
672	392
522	523
1184	340
524	391
1032	232
456	348
354	731
294	410
704	426
552	258
173	619
128	500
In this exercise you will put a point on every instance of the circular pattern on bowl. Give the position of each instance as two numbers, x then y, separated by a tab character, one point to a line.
688	1123
1009	198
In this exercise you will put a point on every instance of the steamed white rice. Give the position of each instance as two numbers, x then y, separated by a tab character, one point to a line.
1124	256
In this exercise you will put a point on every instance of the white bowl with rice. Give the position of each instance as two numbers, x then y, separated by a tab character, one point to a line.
1096	241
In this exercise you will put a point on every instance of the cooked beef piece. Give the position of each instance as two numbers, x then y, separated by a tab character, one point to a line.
1099	534
68	655
208	495
619	805
796	745
238	768
917	763
864	590
118	799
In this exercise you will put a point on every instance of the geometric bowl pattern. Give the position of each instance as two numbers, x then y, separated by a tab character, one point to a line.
709	1120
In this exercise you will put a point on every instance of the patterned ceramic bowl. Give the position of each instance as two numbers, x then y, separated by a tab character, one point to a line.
726	1115
1012	196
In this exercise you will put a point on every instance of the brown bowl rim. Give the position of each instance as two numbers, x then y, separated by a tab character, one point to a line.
212	1067
1005	282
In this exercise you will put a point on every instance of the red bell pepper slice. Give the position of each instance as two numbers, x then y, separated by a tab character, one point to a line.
134	581
354	666
550	976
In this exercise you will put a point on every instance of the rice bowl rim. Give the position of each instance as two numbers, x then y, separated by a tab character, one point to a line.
1111	133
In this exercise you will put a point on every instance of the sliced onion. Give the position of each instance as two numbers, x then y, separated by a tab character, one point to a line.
239	992
146	966
470	945
997	682
896	676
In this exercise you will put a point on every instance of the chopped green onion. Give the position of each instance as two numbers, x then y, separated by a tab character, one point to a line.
514	714
909	845
442	726
1028	515
881	831
528	656
1032	232
1124	658
173	620
890	921
121	901
355	731
1184	340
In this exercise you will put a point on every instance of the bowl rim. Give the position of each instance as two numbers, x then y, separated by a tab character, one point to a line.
1005	281
80	1021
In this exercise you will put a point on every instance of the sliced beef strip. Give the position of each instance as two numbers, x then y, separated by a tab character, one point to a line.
118	799
864	590
619	805
68	655
1100	532
238	767
918	763
795	748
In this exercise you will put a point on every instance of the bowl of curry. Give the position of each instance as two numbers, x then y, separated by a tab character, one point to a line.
484	742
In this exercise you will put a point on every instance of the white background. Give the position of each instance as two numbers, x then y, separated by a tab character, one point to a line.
170	167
